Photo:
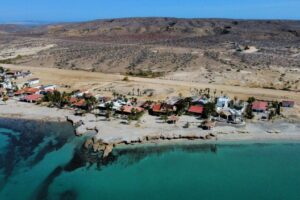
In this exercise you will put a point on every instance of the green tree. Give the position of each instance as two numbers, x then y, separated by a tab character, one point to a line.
138	92
249	113
251	100
215	92
209	109
276	106
272	114
90	102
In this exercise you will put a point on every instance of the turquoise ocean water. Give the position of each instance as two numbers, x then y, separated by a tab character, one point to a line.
45	161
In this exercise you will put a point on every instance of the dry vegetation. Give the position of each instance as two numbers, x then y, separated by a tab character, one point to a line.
263	54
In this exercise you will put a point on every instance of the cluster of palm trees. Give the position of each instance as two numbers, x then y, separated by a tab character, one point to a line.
205	92
134	92
62	99
57	98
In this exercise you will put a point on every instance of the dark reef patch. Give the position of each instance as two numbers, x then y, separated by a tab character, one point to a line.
27	142
43	189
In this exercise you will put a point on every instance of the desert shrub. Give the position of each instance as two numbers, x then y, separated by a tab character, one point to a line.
126	78
146	74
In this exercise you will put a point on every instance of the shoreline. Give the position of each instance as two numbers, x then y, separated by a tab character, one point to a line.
106	135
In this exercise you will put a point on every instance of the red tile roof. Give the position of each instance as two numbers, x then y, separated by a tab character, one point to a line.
73	100
196	109
260	105
19	92
80	103
33	97
30	90
156	107
27	91
128	109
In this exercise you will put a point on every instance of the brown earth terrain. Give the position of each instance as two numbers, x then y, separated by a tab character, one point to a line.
247	53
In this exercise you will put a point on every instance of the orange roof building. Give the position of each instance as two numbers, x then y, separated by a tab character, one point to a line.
79	103
33	98
128	109
260	106
197	109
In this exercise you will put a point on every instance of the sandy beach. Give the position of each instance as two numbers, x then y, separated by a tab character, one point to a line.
151	129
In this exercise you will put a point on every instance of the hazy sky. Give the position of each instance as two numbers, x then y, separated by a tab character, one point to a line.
79	10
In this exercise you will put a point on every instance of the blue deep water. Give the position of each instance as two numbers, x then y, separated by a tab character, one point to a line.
43	160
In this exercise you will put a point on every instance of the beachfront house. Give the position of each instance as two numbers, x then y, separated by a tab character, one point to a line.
26	74
33	98
48	87
288	104
80	93
162	109
196	100
116	104
128	109
27	91
231	116
156	109
173	101
33	81
6	85
80	103
195	110
13	73
259	106
222	102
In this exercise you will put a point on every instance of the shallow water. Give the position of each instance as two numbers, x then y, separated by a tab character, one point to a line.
45	161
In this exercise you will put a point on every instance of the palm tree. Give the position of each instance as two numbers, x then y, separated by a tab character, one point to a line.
114	94
138	91
65	97
200	92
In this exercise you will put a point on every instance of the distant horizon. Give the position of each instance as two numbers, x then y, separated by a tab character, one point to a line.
37	22
53	11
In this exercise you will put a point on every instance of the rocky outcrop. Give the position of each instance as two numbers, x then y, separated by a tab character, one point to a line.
88	143
81	130
81	127
75	120
108	149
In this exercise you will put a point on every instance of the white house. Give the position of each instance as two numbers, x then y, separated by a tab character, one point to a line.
33	81
116	105
6	85
199	100
223	102
80	93
48	87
